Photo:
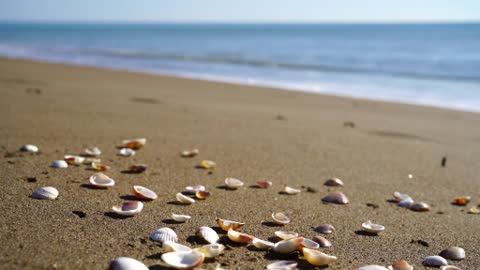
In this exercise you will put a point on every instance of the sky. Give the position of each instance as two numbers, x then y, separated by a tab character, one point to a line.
240	10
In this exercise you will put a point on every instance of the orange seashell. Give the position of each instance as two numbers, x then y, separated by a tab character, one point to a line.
462	200
202	195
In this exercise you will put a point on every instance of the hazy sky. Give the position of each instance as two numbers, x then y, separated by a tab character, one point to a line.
241	10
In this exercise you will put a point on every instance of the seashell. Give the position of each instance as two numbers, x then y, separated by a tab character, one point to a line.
283	265
288	246
125	263
144	193
453	253
184	199
100	180
169	246
99	167
325	228
180	218
262	244
474	211
183	260
89	160
435	261
308	243
318	258
93	152
334	182
202	195
134	144
372	267
207	234
450	267
60	164
280	218
407	202
292	191
194	189
285	235
462	200
45	193
226	224
239	237
322	241
400	265
137	168
400	196
211	250
420	207
208	164
74	160
163	235
264	184
29	148
233	183
372	227
126	152
336	197
128	208
189	153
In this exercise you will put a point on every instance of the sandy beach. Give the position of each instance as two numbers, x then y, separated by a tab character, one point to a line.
291	138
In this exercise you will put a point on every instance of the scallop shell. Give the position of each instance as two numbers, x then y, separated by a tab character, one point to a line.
169	246
184	199
202	195
334	182
45	193
226	224
322	241
125	263
400	265
372	267
407	202
283	265
264	184
318	258
74	160
308	243
128	208
372	227
101	180
183	260
291	191
29	148
137	168
99	167
420	207
262	244
189	153
435	261
336	197
127	152
164	234
453	253
233	183
450	267
239	237
93	152
194	189
207	234
462	200
211	250
400	196
325	229
180	218
288	246
60	164
280	218
285	235
134	144
208	164
144	193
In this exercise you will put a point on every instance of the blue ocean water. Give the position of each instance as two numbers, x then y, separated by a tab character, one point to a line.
431	64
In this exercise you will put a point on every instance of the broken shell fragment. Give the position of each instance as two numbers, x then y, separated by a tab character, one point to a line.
100	180
462	200
372	227
264	184
125	263
226	224
74	160
29	148
211	250
372	267
288	246
134	144
189	153
202	195
407	202
325	229
194	189
180	218
137	168
93	152
283	265
45	193
184	199
435	261
318	258
239	237
292	191
400	265
280	218
308	243
128	208
208	164
474	211
100	167
285	235
453	253
90	160
322	241
262	244
233	183
336	197
184	259
207	234
163	235
420	207
170	246
144	193
59	164
334	182
127	152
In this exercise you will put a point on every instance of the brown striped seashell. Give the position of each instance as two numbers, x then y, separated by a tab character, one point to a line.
134	144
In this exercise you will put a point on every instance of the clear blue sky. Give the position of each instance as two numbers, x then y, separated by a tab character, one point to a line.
241	10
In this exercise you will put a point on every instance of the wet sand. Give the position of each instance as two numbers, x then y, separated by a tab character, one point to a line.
290	138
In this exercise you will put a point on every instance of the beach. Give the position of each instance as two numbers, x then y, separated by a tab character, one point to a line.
290	138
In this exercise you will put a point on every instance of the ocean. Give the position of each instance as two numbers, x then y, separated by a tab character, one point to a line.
429	64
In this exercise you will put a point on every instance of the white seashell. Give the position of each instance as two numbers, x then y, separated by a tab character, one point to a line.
125	263
184	199
280	218
407	202
322	241
134	144
211	250
127	152
164	234
325	228
288	246
372	228
60	164
435	261
93	151
285	235
233	183
239	237
45	193
144	193
334	182
283	265
292	191
101	180
207	234
183	260
400	265
180	218
453	253
29	148
318	258
336	197
90	161
450	267
372	267
74	160
400	196
262	244
169	246
194	189
189	153
226	224
128	208
308	243
420	207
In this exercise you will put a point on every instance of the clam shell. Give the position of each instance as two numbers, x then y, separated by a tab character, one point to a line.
288	246
280	218
453	253
400	265
262	244
45	193
127	152
407	202
128	208
194	189
180	218
372	227
372	267
264	184
322	241
183	260
211	250
450	267
285	235
99	167
308	243
325	229
226	224
435	261
239	237
291	191
202	195
318	258
134	144
164	234
60	164
137	168
336	197
400	196
207	234
420	207
144	193
93	152
169	246
283	265
208	164
125	263
29	148
101	180
74	160
189	153
233	183
334	182
184	199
